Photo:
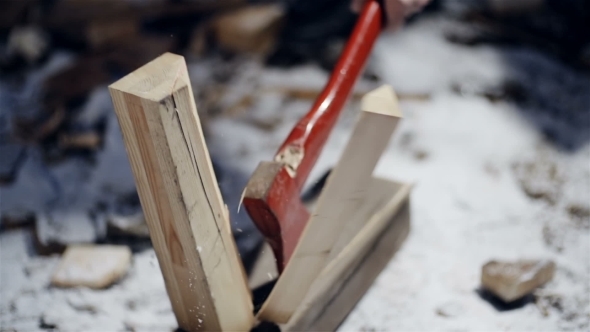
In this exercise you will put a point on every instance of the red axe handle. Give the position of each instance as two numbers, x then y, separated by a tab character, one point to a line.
272	196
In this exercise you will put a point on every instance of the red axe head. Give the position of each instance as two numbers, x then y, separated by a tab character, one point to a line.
272	196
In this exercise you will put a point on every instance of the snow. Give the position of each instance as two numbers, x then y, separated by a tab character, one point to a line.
466	155
139	300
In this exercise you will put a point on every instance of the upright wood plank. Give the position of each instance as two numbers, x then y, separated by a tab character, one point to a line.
343	195
380	101
186	216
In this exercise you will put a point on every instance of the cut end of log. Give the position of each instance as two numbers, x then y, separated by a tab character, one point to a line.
157	79
186	216
382	100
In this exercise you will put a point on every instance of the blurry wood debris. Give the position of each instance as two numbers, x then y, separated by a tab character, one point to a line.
87	141
252	29
580	213
242	104
511	281
29	42
209	99
92	266
267	125
540	179
199	41
133	225
109	32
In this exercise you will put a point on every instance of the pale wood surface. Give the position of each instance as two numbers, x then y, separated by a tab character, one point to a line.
187	219
380	209
381	101
343	195
343	295
265	268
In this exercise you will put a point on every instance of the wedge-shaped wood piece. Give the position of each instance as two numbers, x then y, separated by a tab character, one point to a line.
344	281
186	216
344	194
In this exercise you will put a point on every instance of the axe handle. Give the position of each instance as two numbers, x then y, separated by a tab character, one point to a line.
308	137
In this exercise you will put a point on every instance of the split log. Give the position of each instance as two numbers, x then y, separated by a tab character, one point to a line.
188	222
346	190
348	277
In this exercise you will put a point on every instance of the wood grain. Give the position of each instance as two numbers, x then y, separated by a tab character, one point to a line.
380	101
186	217
344	194
341	298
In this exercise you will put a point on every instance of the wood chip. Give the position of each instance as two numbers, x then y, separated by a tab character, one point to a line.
513	280
92	266
89	140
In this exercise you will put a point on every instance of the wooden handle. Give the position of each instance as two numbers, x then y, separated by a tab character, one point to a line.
305	142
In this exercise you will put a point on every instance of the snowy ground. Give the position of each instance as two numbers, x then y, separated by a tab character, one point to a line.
487	186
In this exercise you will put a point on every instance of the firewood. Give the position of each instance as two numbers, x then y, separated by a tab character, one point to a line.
333	220
346	279
187	219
